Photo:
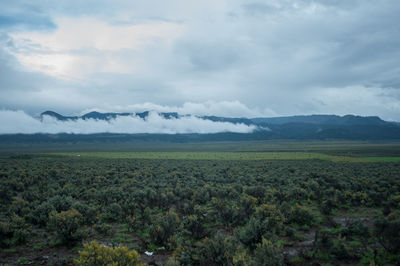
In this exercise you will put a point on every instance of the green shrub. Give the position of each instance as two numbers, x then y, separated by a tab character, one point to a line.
22	260
164	227
102	228
94	254
356	228
88	212
61	203
14	232
252	232
388	233
40	215
67	225
300	215
340	249
267	254
194	225
327	206
211	251
113	212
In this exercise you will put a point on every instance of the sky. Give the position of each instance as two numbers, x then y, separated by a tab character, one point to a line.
214	57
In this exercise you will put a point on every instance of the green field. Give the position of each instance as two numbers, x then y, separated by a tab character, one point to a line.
346	148
383	159
227	156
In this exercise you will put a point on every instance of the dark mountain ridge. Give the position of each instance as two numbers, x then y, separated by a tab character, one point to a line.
304	119
323	119
104	116
302	127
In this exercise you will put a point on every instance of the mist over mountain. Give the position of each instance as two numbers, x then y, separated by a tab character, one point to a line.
307	119
172	126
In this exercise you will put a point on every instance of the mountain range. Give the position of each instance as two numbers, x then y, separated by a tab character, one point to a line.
301	127
347	120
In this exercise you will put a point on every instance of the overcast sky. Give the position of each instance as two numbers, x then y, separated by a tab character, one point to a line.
221	57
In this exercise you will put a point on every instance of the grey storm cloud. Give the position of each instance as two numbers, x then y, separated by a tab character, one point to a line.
273	57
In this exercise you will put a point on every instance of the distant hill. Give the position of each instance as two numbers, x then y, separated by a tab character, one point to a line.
58	116
302	127
323	120
104	116
308	119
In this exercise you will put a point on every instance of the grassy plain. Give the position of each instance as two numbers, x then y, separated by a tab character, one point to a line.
220	156
342	151
348	148
233	155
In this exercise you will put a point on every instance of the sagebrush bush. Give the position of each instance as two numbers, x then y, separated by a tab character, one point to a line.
67	224
94	254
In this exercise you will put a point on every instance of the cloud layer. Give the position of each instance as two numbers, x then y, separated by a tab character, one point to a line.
210	108
19	122
278	57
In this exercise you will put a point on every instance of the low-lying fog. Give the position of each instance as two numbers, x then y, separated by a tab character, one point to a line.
13	122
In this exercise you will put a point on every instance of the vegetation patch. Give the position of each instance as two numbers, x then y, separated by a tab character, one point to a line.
215	156
383	159
200	208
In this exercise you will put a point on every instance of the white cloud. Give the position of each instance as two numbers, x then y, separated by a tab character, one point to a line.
210	108
92	33
82	46
19	122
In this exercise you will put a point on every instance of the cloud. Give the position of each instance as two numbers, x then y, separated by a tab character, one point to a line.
210	108
358	99
83	46
89	33
278	57
19	122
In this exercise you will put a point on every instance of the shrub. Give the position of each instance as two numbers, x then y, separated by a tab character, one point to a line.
327	206
114	212
388	233
6	194
274	216
267	254
14	232
356	228
40	215
88	212
300	215
255	191
19	207
67	225
61	203
102	228
94	254
252	233
211	251
194	225
248	204
340	249
165	227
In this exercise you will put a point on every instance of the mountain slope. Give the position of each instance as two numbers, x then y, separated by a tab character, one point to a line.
323	119
350	120
304	127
